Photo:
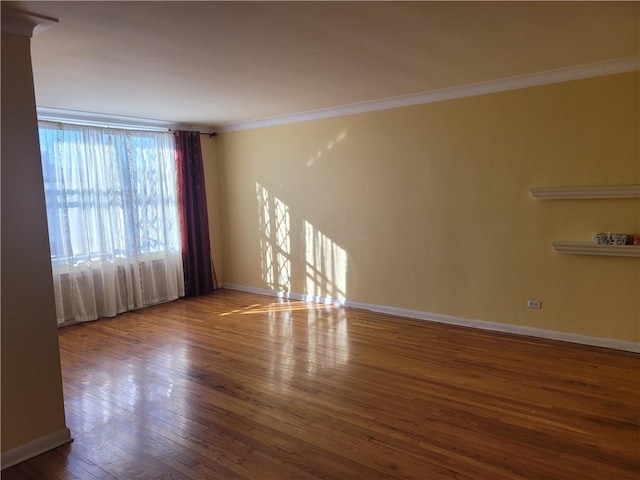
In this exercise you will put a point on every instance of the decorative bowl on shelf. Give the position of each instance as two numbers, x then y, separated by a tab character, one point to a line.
612	239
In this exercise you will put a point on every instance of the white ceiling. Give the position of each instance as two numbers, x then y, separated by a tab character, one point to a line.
217	63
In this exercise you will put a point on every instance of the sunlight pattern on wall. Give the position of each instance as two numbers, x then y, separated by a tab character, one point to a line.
326	266
275	242
332	143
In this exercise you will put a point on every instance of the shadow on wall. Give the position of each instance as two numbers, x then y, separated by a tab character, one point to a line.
325	261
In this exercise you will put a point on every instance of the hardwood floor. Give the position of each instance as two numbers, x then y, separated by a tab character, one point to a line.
239	386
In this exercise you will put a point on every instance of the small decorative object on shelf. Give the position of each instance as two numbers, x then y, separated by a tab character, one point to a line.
636	239
612	239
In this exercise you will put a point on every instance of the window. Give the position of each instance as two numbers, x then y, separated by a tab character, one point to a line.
112	205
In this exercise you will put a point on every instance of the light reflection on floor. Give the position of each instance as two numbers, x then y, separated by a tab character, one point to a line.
156	383
131	387
325	342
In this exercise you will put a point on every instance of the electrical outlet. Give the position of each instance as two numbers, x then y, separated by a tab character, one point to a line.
534	304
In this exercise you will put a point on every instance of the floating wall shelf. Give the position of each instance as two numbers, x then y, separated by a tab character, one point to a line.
567	193
586	248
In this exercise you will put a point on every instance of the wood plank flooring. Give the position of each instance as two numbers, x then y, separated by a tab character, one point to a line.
240	386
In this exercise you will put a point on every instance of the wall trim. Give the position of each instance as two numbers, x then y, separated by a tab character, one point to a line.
286	295
577	72
464	322
35	447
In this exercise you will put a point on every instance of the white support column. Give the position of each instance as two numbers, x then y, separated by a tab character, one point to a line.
33	419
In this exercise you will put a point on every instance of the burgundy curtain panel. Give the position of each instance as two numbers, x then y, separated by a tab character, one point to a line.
199	275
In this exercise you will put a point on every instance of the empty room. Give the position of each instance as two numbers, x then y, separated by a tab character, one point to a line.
320	240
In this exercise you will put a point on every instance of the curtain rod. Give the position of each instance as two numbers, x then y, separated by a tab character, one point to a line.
115	121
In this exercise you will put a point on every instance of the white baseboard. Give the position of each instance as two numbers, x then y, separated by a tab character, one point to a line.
35	447
287	295
465	322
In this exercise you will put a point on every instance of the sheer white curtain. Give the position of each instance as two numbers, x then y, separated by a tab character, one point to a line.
113	219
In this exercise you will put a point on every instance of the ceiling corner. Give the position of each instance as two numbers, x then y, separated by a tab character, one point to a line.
25	23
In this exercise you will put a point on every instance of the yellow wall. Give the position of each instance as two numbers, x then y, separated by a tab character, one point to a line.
32	406
427	207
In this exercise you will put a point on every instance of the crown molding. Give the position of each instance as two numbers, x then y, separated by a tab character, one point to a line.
25	23
578	72
114	121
